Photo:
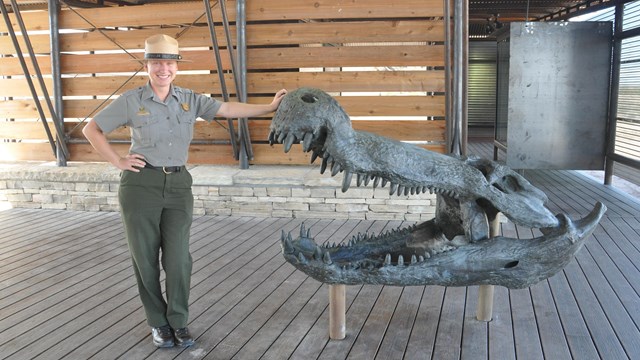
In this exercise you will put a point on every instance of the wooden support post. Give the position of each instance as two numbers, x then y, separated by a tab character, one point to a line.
337	312
484	310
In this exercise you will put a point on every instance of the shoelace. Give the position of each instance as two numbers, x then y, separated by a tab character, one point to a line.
182	331
165	331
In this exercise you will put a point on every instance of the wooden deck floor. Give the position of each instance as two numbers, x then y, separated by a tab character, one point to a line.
67	291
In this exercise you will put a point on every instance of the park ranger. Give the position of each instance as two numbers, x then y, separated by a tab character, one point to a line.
156	202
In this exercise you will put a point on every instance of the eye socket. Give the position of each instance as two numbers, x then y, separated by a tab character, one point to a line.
511	264
508	184
308	98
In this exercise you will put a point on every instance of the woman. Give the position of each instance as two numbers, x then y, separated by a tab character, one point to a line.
156	201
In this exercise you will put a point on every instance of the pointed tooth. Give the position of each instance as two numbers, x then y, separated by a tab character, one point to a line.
326	258
420	258
346	181
387	259
414	259
317	254
359	179
367	179
314	156
376	181
287	247
288	142
306	141
406	191
400	260
400	190
323	167
282	236
335	168
384	182
272	137
281	137
302	229
301	258
413	190
392	188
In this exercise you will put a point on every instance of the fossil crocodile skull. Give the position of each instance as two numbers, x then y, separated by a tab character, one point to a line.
454	248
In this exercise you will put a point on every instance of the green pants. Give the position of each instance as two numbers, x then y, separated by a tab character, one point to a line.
157	211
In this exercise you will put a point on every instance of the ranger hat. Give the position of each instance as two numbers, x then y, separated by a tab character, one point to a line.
162	47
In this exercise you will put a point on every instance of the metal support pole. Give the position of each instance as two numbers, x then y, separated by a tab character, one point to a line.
613	94
54	10
223	84
460	71
241	33
45	93
27	75
447	72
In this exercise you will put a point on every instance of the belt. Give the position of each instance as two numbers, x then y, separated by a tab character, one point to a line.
165	169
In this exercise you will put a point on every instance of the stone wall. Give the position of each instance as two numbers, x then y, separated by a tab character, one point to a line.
260	191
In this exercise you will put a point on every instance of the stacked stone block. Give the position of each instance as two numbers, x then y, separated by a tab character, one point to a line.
260	191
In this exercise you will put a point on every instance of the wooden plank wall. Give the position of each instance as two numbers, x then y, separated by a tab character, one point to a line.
382	59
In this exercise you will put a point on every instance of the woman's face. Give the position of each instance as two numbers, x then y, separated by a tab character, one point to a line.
161	72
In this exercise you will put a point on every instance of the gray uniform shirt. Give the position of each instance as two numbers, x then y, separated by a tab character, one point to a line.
160	131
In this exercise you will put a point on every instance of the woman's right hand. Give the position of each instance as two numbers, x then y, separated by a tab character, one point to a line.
131	162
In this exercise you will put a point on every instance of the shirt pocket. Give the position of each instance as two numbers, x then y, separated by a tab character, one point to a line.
144	129
187	122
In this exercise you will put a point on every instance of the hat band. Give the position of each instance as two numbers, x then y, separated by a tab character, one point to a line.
163	56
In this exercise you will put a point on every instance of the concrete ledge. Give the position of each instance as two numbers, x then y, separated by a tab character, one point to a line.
261	191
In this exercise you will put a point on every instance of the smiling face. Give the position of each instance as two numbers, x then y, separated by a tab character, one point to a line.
161	74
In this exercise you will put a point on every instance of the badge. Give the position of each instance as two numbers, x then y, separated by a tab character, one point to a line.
185	106
142	111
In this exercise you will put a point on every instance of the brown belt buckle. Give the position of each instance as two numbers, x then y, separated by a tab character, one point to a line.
165	171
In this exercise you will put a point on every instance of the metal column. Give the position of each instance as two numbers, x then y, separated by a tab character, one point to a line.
460	74
54	10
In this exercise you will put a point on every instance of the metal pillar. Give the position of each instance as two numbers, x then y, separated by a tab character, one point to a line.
241	46
460	76
54	10
27	74
613	94
223	84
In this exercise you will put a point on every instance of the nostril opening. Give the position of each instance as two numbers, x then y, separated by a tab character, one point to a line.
308	98
511	264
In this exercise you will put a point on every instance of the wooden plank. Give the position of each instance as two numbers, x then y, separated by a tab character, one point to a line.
423	335
576	332
501	341
336	9
316	340
261	82
256	34
188	12
267	334
617	307
527	339
475	332
257	59
216	274
133	322
198	154
554	344
38	253
397	336
448	339
372	333
601	331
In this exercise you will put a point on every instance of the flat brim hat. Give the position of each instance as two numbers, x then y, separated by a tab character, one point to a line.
162	47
